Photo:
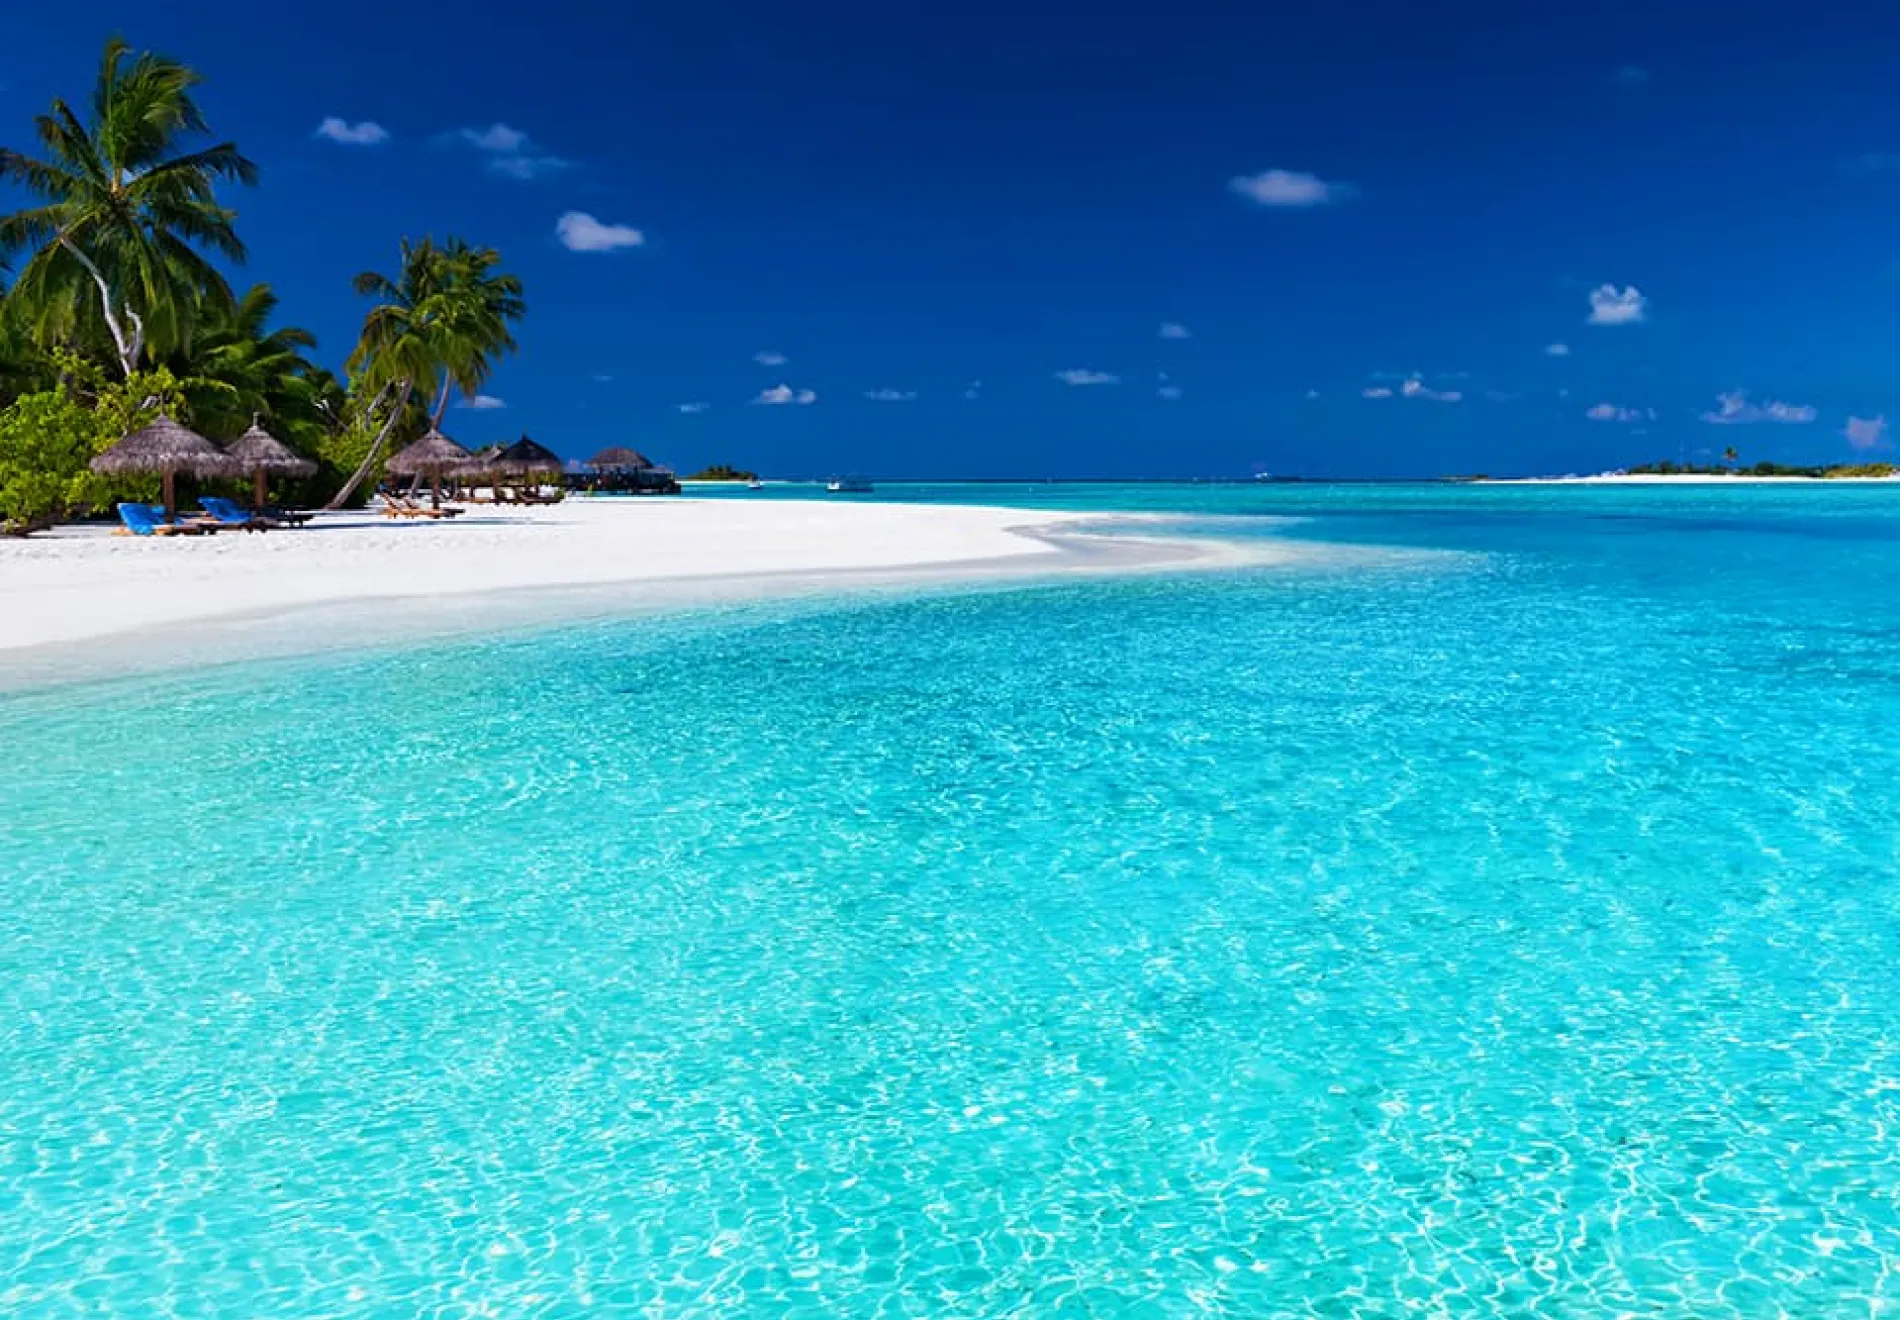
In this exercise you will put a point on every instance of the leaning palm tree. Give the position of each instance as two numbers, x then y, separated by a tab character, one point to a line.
124	214
440	324
480	305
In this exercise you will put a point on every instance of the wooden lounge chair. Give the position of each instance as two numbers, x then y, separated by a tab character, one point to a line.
394	506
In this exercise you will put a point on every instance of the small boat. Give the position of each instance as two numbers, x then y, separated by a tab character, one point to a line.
755	484
849	485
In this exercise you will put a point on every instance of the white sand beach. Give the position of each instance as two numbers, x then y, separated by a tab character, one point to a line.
83	592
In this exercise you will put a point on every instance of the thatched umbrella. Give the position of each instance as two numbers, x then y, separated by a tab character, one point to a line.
263	455
524	458
430	456
166	448
620	459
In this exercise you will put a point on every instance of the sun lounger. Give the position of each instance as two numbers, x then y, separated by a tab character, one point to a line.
150	520
228	513
394	506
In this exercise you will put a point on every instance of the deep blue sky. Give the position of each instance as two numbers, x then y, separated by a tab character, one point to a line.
911	202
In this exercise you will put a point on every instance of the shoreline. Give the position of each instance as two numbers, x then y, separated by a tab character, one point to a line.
81	604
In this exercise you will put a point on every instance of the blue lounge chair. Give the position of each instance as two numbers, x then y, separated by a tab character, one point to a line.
150	520
229	513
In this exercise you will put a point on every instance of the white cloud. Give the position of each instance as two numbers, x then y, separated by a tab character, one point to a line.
890	395
512	153
1610	305
1414	388
1411	387
783	394
369	133
1312	394
528	168
1609	412
1169	392
1557	350
690	408
482	403
601	378
580	232
498	138
975	390
1083	376
1864	433
771	357
1288	188
1735	409
1175	330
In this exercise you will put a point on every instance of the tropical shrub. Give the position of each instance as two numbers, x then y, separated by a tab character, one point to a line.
46	441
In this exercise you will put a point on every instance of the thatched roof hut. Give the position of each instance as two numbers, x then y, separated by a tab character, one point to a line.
257	450
264	456
523	458
432	455
619	458
165	448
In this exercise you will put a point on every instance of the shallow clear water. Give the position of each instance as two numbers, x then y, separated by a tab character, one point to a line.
1504	932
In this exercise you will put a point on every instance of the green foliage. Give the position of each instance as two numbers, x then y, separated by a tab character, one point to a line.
723	472
237	369
344	450
46	440
446	316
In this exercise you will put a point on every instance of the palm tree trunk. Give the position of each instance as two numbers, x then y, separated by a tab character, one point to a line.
128	346
375	451
441	403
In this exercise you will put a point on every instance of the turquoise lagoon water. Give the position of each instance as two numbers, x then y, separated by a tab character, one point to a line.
1504	924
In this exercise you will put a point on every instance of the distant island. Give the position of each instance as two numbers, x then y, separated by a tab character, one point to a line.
1714	474
721	472
1821	472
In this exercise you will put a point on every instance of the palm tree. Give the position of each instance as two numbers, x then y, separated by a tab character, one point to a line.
237	368
123	211
441	322
1729	455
